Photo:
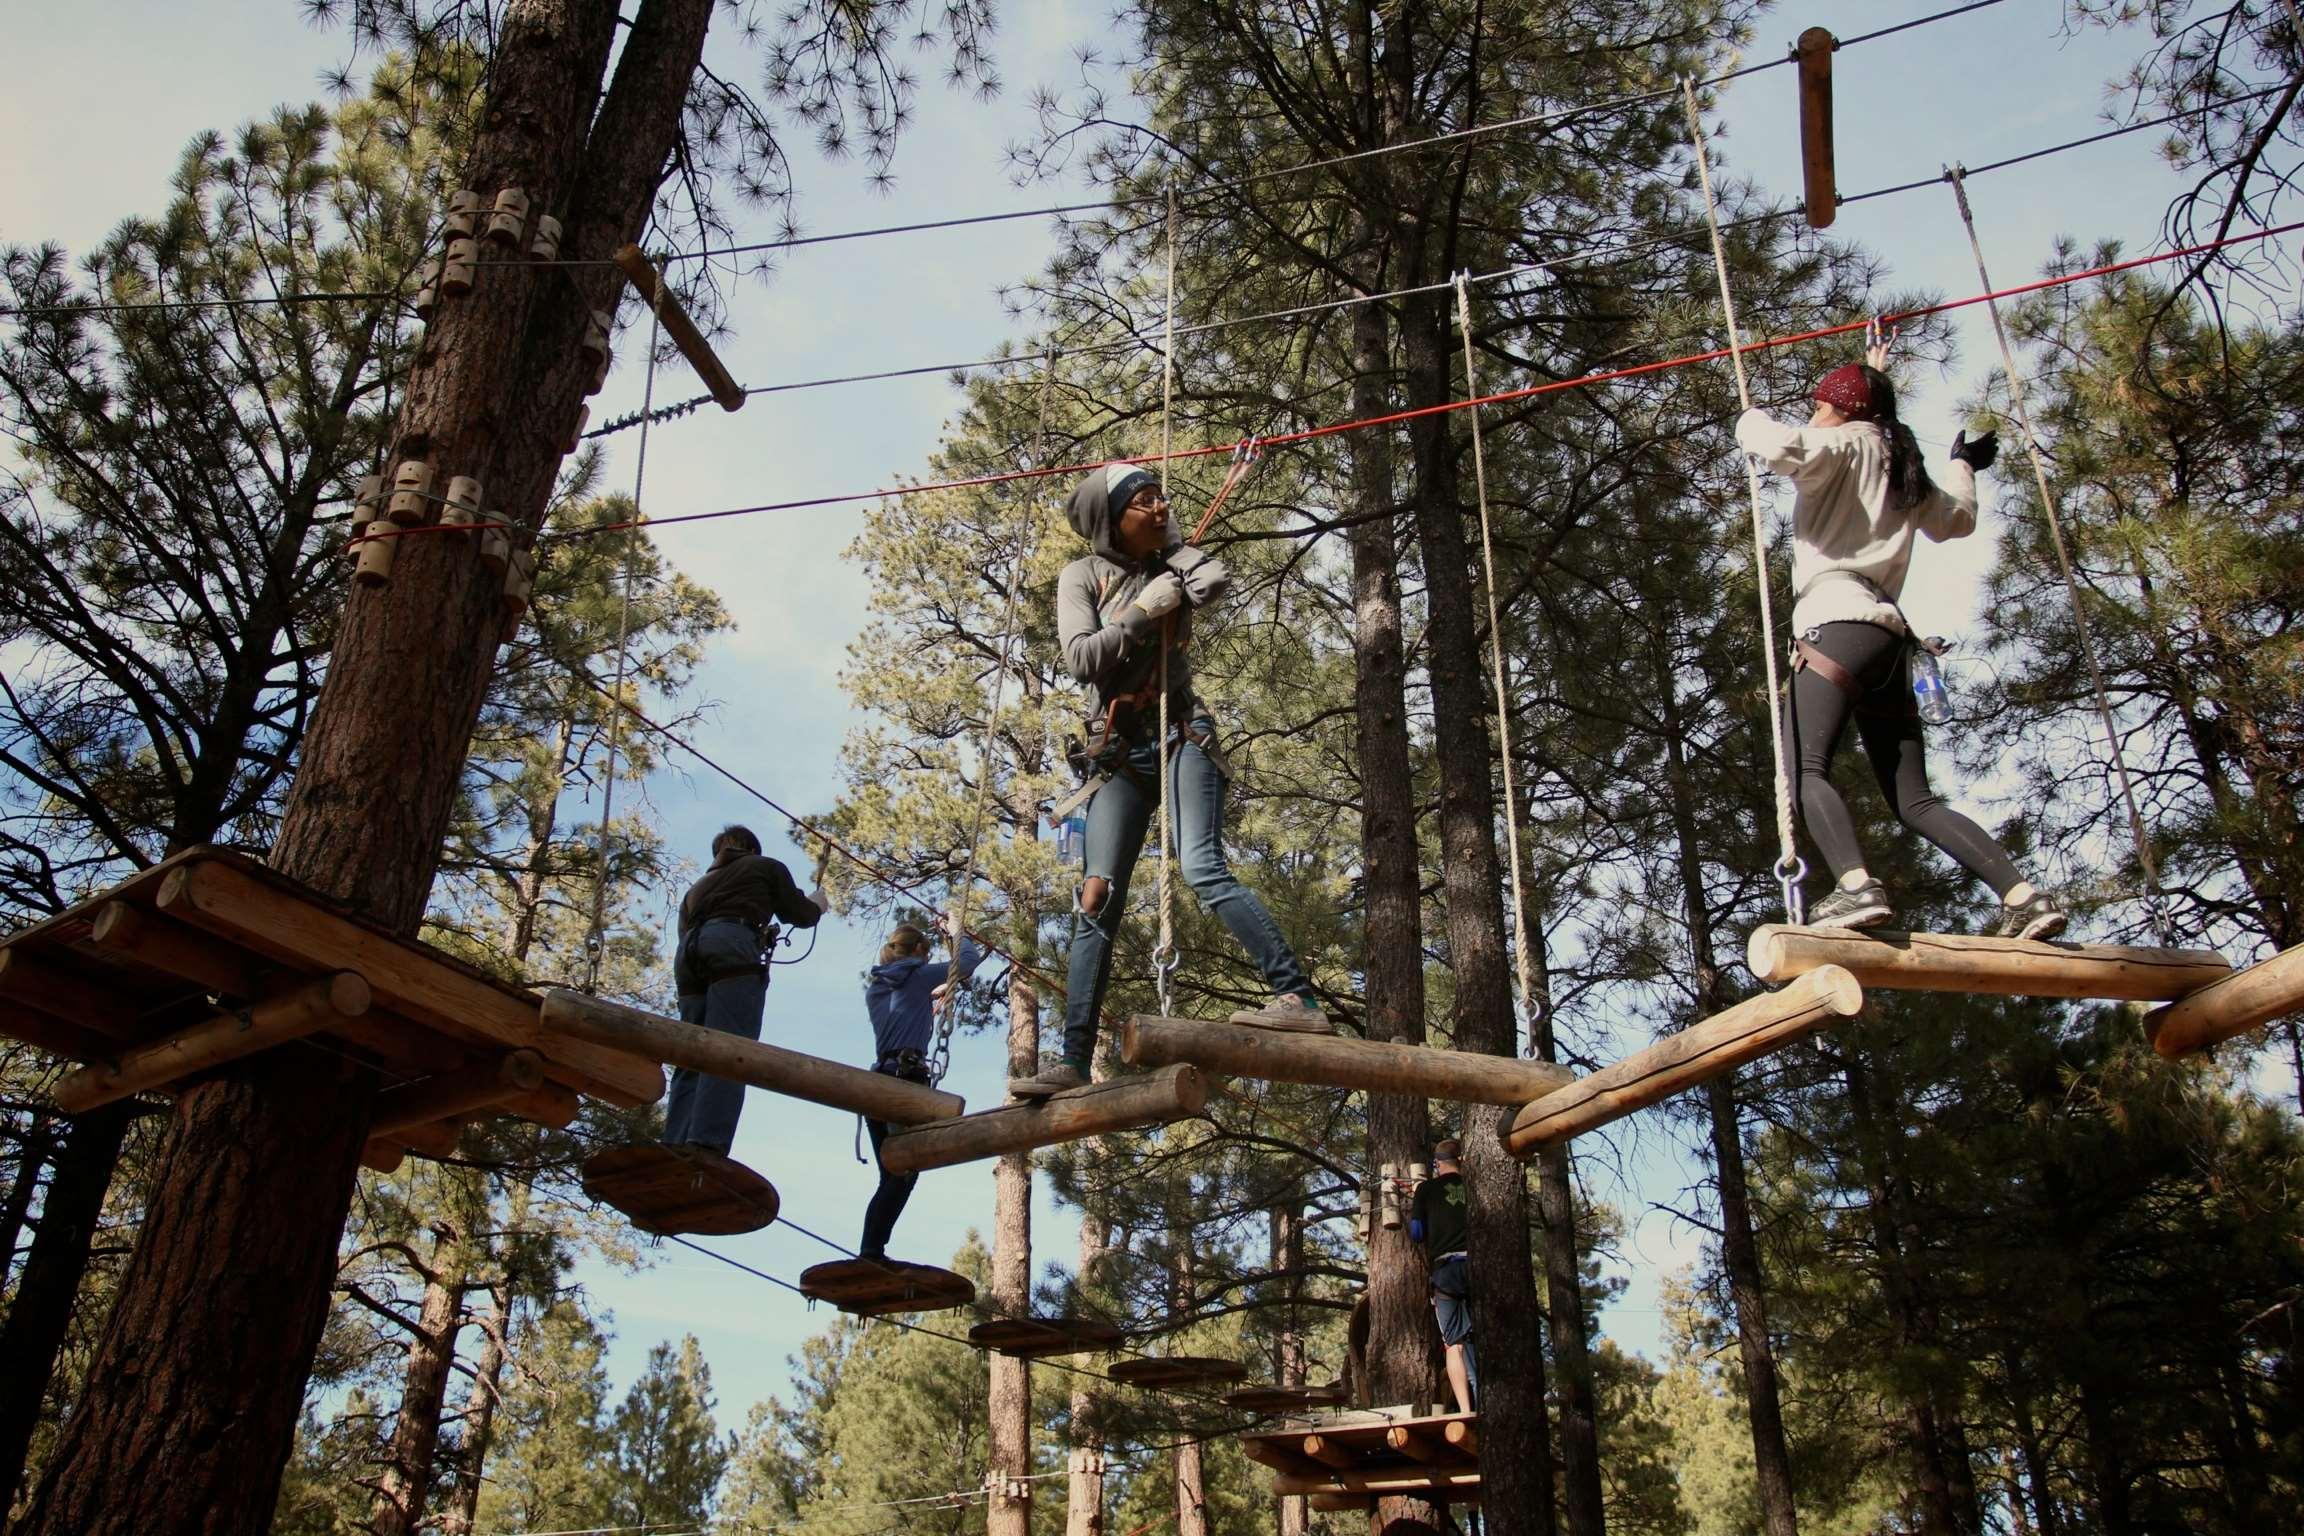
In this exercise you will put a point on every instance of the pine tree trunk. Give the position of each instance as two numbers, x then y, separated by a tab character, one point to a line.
1010	1431
39	1144
40	1313
1084	1492
1191	1482
1286	1256
191	1401
2107	1465
460	1516
1515	1436
398	1506
2047	1518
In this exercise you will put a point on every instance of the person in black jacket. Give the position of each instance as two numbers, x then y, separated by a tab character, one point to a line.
1436	1222
1119	609
720	969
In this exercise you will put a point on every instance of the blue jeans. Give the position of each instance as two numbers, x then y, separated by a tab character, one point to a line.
717	992
1118	818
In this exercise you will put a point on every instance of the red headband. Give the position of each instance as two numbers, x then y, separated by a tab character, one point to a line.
1847	389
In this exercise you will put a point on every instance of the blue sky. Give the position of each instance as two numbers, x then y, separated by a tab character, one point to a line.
1973	89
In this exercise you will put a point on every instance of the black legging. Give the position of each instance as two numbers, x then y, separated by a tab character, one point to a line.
1888	723
887	1201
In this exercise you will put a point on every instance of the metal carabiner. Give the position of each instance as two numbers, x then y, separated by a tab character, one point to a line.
1789	872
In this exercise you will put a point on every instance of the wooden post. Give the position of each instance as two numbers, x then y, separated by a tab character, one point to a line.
682	330
257	915
162	944
752	1062
1123	1104
1243	1050
215	1040
1728	1039
457	1093
2233	1006
1814	53
1940	962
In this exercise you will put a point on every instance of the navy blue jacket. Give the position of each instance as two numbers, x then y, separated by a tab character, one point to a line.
898	996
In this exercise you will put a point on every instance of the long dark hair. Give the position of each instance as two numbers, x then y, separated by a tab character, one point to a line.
1908	482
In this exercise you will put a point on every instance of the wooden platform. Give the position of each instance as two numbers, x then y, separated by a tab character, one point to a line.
1952	962
1177	1371
667	1190
209	955
877	1287
1033	1337
1363	1456
1286	1400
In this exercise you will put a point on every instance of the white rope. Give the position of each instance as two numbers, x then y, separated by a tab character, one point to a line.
1789	869
2155	898
595	942
1164	951
1523	952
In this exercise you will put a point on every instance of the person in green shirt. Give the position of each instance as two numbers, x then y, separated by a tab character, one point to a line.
1436	1223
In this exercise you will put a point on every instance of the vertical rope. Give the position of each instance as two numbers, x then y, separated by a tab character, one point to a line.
2156	898
941	1058
1789	868
595	941
1164	951
1523	952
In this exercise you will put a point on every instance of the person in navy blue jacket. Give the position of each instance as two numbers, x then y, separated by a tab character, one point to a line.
902	996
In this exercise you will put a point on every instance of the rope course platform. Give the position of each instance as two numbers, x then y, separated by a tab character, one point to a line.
1122	1104
209	957
1348	1461
1031	1338
684	1189
1338	1061
1942	962
878	1287
1172	1371
1274	1401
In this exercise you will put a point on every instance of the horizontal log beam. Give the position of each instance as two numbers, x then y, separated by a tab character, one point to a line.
2245	1000
52	1034
297	932
220	1038
1721	1043
677	325
548	1104
383	1156
162	944
1951	962
752	1062
1123	1104
1455	1484
43	987
475	1088
1333	1061
435	1139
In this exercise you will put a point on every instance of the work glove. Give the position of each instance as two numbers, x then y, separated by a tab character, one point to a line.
1206	578
1162	595
823	902
1978	454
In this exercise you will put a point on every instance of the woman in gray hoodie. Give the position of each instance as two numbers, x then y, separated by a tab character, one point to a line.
1118	610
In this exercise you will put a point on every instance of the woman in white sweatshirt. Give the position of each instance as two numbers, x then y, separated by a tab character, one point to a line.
1861	494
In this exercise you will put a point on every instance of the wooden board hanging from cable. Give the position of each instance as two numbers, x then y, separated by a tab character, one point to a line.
667	1190
878	1287
1033	1337
1953	962
1177	1371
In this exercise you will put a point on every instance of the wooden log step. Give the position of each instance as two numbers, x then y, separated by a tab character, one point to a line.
1279	1400
755	1063
1335	1061
2245	1000
169	948
1176	1371
1942	962
1719	1044
1122	1104
220	1038
1032	1337
877	1287
667	1190
677	325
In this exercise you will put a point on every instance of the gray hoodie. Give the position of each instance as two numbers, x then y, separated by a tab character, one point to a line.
1110	644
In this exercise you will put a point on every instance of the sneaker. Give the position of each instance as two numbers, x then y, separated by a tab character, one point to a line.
1053	1080
1864	907
1290	1012
2038	918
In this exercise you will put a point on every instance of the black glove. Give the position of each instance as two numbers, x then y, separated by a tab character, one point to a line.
1978	455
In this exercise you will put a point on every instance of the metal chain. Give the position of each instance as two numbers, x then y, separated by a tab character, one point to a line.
595	941
1789	870
2156	899
1164	960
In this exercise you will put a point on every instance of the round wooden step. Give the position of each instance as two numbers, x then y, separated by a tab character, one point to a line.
1032	1337
1177	1371
667	1190
877	1287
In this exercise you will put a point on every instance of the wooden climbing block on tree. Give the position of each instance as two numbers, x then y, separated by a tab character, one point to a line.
1953	962
1280	1400
1175	1372
1369	1455
668	1190
878	1287
1033	1337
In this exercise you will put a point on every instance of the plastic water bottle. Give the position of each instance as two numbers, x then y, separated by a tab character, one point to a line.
1928	687
1070	835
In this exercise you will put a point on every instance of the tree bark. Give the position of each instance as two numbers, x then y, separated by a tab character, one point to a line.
39	1145
1009	1434
460	1516
191	1401
398	1505
40	1314
1191	1481
1285	1252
